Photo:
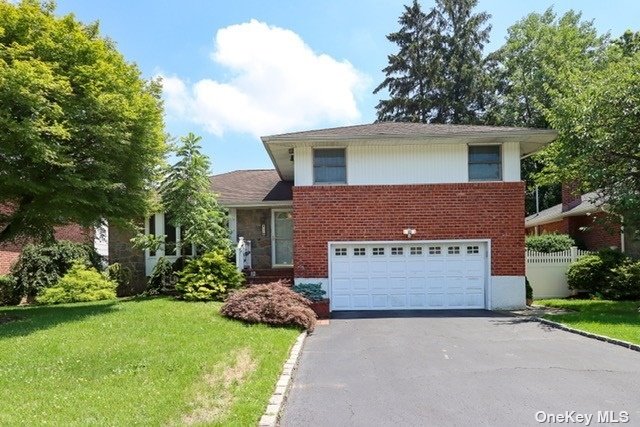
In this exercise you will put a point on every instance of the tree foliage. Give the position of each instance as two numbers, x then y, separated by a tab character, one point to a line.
598	120
186	193
528	71
438	75
82	132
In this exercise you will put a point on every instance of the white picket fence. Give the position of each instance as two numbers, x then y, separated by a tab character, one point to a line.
547	272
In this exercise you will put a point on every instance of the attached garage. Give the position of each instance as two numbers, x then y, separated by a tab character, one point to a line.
408	275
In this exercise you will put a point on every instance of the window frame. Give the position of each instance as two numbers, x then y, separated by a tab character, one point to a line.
500	164
313	166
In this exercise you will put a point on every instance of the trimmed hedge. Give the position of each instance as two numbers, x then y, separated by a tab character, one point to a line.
549	243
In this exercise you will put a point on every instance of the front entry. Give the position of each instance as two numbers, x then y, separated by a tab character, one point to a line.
282	237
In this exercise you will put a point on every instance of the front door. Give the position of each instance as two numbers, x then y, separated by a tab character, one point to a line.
282	237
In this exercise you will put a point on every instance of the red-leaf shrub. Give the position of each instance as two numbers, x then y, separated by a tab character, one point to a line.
273	304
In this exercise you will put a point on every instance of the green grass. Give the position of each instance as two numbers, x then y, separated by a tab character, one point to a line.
614	319
136	362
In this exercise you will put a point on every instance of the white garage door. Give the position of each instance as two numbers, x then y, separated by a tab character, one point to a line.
408	276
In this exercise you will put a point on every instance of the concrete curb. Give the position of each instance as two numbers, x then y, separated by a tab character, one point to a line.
271	414
557	325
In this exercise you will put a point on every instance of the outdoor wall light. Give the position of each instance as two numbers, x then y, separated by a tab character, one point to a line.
409	232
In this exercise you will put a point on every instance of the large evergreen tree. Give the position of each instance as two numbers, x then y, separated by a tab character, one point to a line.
438	74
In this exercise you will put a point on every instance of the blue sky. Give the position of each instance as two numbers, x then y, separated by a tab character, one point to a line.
238	69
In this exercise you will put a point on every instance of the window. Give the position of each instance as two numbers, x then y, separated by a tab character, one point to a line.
435	250
341	251
187	250
174	235
396	251
416	250
378	251
329	166
359	251
453	250
485	163
473	250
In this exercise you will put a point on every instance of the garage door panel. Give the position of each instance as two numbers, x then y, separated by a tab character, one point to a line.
379	301
417	275
359	268
417	300
397	300
361	301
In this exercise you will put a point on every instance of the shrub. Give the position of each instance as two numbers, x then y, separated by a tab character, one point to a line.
79	284
273	304
9	294
549	243
311	291
162	279
119	274
41	266
208	278
624	283
594	273
528	289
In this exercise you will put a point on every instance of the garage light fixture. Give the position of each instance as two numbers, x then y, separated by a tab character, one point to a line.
409	232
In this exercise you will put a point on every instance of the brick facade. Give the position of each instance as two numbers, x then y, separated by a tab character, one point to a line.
591	232
9	252
437	211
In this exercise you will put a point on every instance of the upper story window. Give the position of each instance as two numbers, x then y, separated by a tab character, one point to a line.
329	166
485	163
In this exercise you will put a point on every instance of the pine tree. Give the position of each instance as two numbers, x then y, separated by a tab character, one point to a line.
438	74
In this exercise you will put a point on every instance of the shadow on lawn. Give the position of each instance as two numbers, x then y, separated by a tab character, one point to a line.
25	320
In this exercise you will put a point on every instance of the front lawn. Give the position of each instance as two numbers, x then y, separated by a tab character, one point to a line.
615	319
143	361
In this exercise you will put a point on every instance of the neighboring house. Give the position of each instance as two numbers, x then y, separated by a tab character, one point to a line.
9	252
384	216
582	216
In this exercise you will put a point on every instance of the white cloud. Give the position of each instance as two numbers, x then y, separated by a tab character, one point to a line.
278	84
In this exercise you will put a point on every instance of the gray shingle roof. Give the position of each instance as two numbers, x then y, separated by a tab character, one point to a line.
403	129
246	187
590	203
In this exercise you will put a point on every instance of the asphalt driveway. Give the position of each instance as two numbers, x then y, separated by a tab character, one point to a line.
456	368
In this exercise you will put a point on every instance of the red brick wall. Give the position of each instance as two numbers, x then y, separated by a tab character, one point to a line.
9	252
437	211
601	231
559	227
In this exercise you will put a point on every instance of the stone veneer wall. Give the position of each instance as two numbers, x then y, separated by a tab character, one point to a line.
249	225
121	251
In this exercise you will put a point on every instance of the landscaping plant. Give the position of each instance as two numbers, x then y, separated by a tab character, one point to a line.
549	243
162	279
208	278
79	284
8	291
598	273
121	275
311	291
273	304
41	266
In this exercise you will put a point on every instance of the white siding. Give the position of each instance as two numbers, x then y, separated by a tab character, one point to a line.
303	166
409	164
406	164
511	161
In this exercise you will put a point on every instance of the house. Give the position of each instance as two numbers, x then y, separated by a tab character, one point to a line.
384	215
9	252
581	216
